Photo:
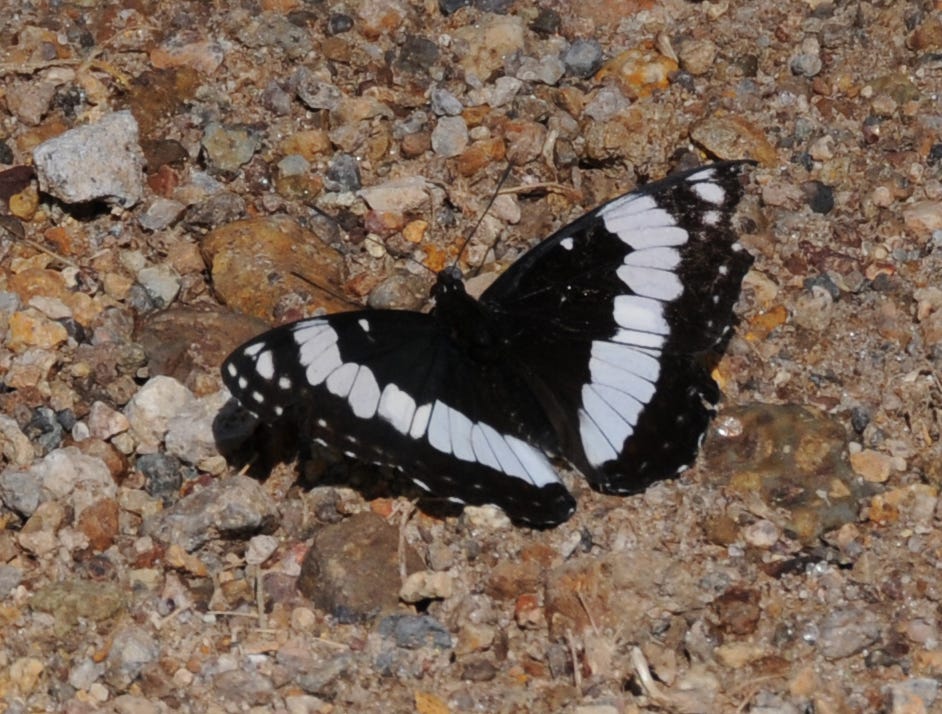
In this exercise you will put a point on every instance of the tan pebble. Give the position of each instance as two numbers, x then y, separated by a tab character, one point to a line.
23	205
872	465
697	56
923	217
426	585
735	655
30	329
415	231
24	674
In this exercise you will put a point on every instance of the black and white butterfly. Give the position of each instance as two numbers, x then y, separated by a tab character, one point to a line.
589	347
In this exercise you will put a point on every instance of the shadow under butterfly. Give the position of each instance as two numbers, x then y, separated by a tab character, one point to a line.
594	346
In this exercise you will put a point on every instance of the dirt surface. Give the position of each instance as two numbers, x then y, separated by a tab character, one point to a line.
252	164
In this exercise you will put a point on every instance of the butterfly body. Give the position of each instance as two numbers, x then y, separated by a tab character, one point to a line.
587	347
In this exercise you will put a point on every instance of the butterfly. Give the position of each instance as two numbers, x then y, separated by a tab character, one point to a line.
589	347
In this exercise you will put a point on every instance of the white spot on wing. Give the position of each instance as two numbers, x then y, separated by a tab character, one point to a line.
323	364
439	428
364	324
596	446
612	425
627	358
231	369
482	449
284	383
650	282
253	350
340	380
640	313
537	468
396	407
420	421
709	191
364	395
712	218
640	339
566	243
265	365
661	258
460	434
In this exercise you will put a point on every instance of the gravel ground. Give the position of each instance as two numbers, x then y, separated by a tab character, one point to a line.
176	176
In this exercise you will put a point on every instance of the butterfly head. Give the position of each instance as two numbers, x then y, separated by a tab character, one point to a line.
449	281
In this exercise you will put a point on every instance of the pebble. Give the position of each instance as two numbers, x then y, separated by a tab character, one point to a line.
192	433
847	632
412	632
160	214
150	409
417	55
444	103
229	147
766	450
874	466
351	570
163	475
10	577
260	549
255	263
730	137
696	56
398	195
923	218
807	62
761	534
450	136
338	23
218	209
99	523
273	29
426	585
161	283
99	161
104	422
583	57
343	173
73	600
488	43
30	328
14	444
546	70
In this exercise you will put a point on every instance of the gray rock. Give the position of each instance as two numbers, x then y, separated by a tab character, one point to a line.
319	678
548	70
190	432
343	173
132	649
847	632
450	136
101	161
160	214
150	410
444	103
245	686
583	57
229	147
20	491
414	631
232	507
161	283
10	577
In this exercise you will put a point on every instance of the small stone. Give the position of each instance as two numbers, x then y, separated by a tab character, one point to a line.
160	214
761	534
450	136
444	103
149	411
738	610
397	196
260	549
10	577
583	57
417	55
163	475
338	23
227	507
547	70
104	422
343	173
14	444
426	585
489	42
696	56
30	328
846	632
99	523
414	631
161	283
100	161
923	218
229	147
449	6
272	29
872	465
351	570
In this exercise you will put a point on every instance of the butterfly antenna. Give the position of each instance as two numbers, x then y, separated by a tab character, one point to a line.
474	229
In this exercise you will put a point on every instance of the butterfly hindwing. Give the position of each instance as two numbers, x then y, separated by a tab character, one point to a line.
389	387
612	314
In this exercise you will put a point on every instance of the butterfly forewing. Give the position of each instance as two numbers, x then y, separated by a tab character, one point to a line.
612	314
587	347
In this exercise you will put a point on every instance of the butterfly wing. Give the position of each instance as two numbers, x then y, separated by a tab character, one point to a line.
390	387
610	314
